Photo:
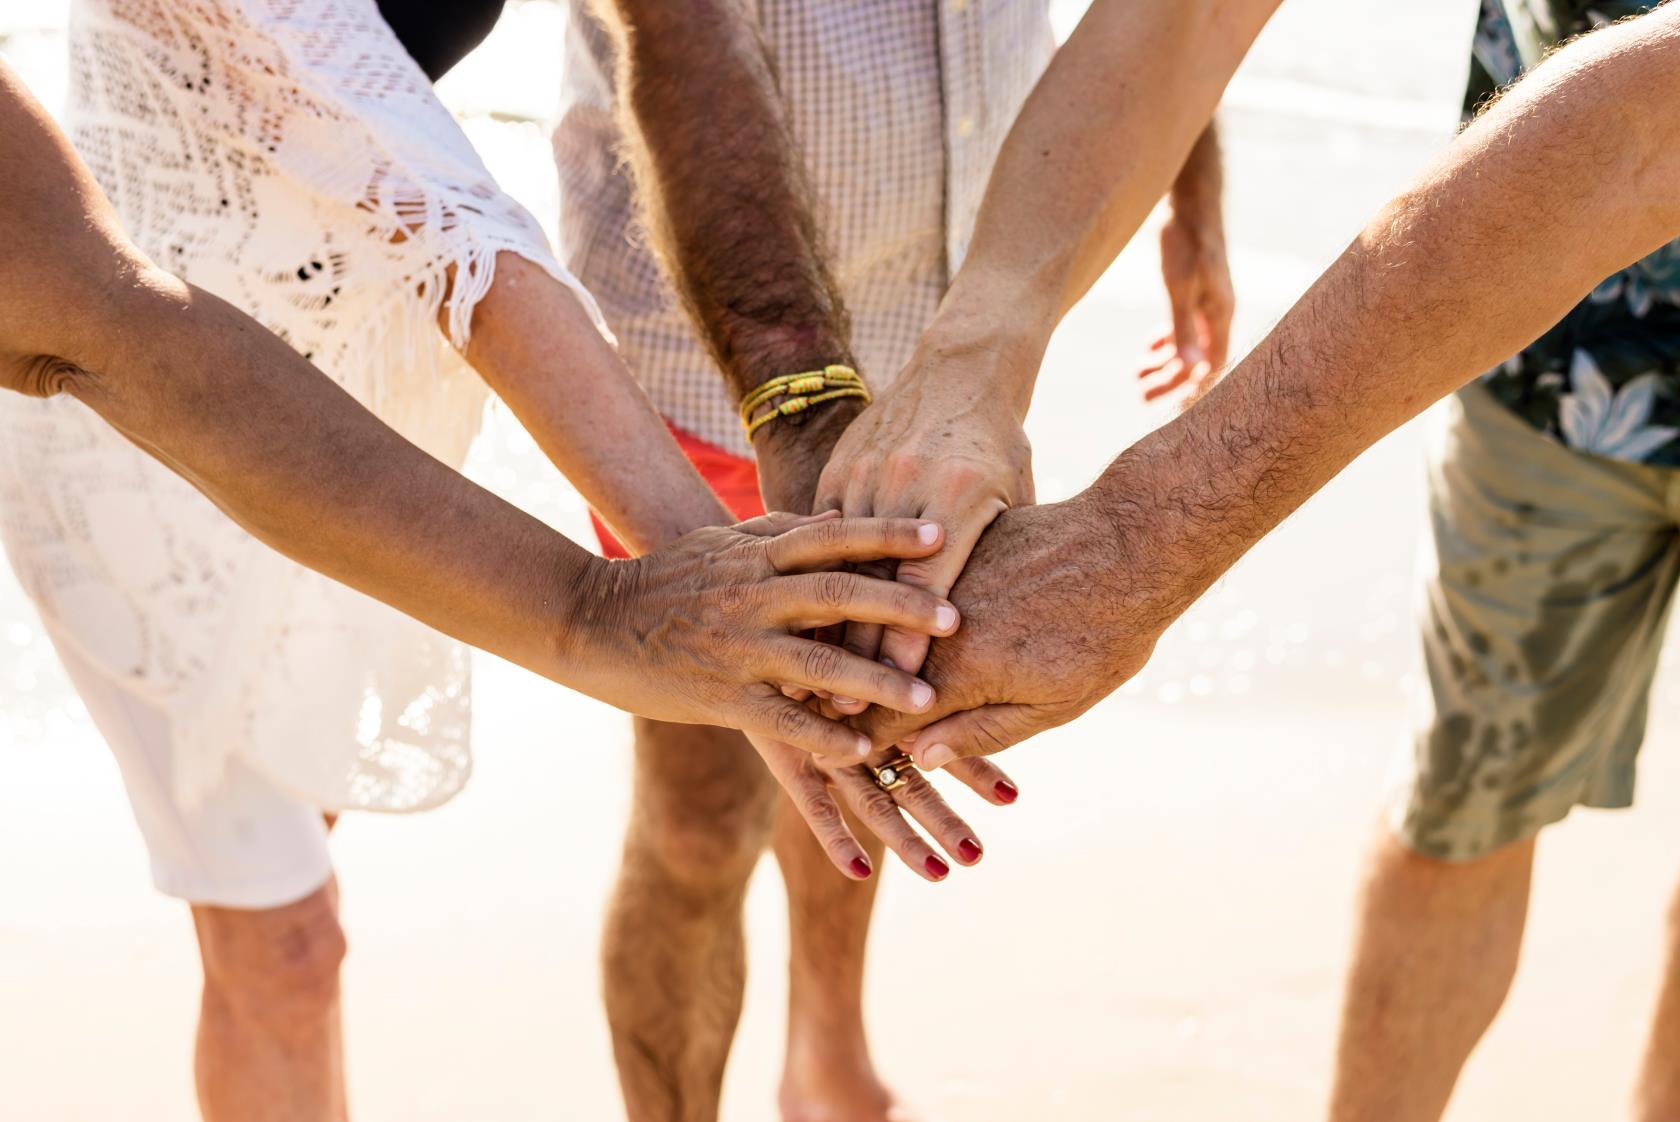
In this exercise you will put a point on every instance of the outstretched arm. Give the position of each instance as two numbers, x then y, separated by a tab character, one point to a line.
697	632
1572	176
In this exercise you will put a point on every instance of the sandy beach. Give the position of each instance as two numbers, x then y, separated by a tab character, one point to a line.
1160	925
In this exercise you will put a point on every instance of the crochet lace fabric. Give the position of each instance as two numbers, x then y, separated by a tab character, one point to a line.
288	156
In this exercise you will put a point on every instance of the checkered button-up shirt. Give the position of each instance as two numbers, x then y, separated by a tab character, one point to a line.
900	107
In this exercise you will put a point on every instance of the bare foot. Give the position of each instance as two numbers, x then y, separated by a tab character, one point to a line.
813	1092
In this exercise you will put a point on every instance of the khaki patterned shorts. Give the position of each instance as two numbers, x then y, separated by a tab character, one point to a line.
1542	618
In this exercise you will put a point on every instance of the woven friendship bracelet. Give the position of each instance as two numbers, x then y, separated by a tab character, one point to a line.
800	392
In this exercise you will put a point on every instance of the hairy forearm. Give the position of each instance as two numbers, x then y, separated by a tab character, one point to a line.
724	188
1103	136
1575	174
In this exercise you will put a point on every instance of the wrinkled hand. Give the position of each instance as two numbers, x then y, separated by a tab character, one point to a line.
813	785
706	630
1053	622
1194	350
935	445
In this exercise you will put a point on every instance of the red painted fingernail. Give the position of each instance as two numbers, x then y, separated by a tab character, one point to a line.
969	850
938	868
1005	791
860	867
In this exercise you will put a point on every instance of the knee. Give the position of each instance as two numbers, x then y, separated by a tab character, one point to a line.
277	964
703	827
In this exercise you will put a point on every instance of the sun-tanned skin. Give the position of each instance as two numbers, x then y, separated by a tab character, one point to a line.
730	213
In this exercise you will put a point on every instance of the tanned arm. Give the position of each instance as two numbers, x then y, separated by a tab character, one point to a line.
1572	176
723	185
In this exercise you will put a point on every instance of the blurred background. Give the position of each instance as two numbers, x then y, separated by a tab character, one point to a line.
1161	923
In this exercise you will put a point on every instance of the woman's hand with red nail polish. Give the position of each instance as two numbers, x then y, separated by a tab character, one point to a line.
818	789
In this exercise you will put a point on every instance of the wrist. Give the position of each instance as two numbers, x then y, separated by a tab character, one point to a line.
1140	551
994	342
594	630
792	452
1200	213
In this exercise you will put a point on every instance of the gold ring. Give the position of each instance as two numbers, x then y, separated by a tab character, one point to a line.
895	773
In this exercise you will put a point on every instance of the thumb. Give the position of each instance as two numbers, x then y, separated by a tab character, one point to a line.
974	732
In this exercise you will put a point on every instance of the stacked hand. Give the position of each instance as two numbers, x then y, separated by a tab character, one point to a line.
717	618
1046	634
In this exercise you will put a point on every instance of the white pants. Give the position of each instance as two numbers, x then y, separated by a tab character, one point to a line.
249	845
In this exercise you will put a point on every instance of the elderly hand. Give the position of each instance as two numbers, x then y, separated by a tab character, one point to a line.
706	630
1053	622
938	444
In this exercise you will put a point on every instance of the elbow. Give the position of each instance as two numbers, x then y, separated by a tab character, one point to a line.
46	375
80	337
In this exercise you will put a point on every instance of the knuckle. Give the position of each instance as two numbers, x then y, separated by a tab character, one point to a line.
791	721
835	590
821	662
990	735
875	805
902	467
832	533
964	476
818	808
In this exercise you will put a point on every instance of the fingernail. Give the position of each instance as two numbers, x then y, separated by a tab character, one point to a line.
936	757
945	617
864	746
1005	791
969	850
938	868
838	700
860	867
909	737
927	533
921	694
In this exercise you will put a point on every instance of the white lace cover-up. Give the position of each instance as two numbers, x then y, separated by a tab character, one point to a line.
290	157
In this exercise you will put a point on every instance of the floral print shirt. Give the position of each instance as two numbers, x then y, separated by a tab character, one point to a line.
1606	379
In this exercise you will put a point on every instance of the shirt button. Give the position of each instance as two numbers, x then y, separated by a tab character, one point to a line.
965	127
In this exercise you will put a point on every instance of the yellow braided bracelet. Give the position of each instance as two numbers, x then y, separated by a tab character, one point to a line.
800	392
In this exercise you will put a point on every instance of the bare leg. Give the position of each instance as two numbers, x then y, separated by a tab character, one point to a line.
270	1038
828	1075
1657	1096
1433	960
674	954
